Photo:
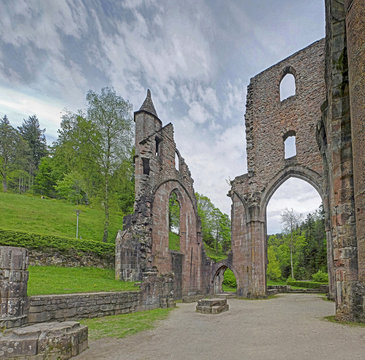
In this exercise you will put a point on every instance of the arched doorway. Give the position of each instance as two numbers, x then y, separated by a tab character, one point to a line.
296	245
224	280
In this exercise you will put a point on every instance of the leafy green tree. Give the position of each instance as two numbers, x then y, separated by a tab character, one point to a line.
13	151
111	116
273	266
290	220
216	226
46	180
72	188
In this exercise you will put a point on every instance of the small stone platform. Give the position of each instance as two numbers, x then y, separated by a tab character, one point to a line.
54	340
212	306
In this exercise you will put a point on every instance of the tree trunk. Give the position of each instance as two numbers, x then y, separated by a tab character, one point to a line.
5	184
106	209
291	254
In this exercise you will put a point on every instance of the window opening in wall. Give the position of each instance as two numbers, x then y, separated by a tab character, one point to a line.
290	147
287	87
174	223
157	145
177	162
146	166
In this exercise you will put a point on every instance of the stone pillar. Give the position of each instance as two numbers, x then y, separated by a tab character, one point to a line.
13	286
257	287
355	31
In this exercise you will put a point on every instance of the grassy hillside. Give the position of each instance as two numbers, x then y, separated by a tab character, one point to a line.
44	280
54	217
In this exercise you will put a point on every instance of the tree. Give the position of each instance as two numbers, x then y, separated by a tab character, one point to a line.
12	150
72	188
216	226
273	266
290	220
45	180
34	136
110	114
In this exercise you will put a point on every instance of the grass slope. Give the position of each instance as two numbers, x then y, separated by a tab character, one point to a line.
54	217
46	280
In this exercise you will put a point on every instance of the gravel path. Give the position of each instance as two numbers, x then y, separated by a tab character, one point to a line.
286	327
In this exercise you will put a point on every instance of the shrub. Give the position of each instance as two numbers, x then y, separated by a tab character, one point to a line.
38	241
229	279
304	284
320	276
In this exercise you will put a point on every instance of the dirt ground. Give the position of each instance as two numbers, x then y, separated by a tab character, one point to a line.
286	327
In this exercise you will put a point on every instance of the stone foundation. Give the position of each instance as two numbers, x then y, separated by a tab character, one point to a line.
212	306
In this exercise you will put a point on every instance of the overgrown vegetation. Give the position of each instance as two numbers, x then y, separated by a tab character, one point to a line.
174	241
305	245
119	326
42	242
216	228
46	280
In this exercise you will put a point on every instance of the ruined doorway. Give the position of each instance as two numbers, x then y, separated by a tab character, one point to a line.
224	280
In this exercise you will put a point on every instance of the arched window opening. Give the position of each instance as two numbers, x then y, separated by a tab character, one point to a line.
287	87
296	245
290	149
225	281
174	223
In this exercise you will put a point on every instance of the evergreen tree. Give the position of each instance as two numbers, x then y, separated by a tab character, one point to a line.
12	151
34	136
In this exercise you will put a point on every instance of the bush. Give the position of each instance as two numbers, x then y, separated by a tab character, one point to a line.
38	241
320	276
229	279
289	279
304	284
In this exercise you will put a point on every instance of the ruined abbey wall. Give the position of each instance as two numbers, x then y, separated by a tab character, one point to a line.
269	122
160	170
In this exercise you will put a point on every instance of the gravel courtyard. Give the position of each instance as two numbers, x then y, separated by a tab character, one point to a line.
286	327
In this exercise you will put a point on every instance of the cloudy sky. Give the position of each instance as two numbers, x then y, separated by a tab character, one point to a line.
196	56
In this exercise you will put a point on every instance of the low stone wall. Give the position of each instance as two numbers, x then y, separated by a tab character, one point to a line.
77	306
71	258
156	292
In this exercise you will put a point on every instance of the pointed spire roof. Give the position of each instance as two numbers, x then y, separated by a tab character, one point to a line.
148	105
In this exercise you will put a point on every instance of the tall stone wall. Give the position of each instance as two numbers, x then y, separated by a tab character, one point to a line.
269	122
160	170
341	139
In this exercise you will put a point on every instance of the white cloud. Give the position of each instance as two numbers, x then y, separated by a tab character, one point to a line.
18	105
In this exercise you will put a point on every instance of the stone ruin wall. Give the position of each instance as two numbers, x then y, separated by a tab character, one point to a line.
144	243
341	137
268	122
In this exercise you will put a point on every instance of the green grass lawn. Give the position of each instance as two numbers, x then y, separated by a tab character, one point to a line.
227	288
54	217
119	326
45	280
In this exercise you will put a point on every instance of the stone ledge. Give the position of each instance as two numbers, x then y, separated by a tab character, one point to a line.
55	340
